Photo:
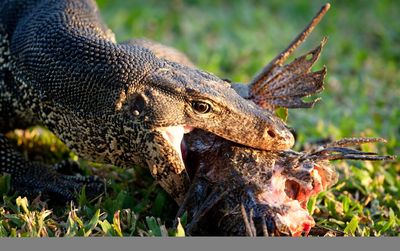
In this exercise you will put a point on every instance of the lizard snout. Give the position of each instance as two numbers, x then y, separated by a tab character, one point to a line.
260	130
266	131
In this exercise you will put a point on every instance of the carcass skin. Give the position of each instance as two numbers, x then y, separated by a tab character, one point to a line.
237	190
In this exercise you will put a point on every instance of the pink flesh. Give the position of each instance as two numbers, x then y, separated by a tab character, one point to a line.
174	135
296	219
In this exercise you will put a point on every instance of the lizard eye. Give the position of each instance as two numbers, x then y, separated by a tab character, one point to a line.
201	107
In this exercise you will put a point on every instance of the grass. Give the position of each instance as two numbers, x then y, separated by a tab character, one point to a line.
235	39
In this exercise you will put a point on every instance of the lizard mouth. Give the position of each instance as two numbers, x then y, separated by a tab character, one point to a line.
174	136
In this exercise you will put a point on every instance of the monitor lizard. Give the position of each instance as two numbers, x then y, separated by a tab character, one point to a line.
120	103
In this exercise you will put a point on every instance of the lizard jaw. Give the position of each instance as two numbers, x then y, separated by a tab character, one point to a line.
174	136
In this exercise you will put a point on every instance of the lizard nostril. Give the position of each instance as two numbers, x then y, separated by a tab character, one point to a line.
271	133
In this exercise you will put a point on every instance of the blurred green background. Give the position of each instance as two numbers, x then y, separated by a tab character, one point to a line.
235	39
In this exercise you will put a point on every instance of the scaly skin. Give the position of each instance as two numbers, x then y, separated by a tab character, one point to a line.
61	67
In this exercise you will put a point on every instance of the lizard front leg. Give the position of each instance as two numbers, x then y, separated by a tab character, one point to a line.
34	178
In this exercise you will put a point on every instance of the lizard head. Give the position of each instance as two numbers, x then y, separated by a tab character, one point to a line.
174	99
188	98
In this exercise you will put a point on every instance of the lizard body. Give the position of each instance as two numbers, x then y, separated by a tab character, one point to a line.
120	103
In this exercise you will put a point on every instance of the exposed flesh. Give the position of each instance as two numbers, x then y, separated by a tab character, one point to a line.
286	193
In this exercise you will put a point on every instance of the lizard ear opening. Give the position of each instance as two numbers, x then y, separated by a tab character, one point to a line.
137	105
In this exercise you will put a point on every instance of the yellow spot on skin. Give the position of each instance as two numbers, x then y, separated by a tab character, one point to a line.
154	169
120	101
